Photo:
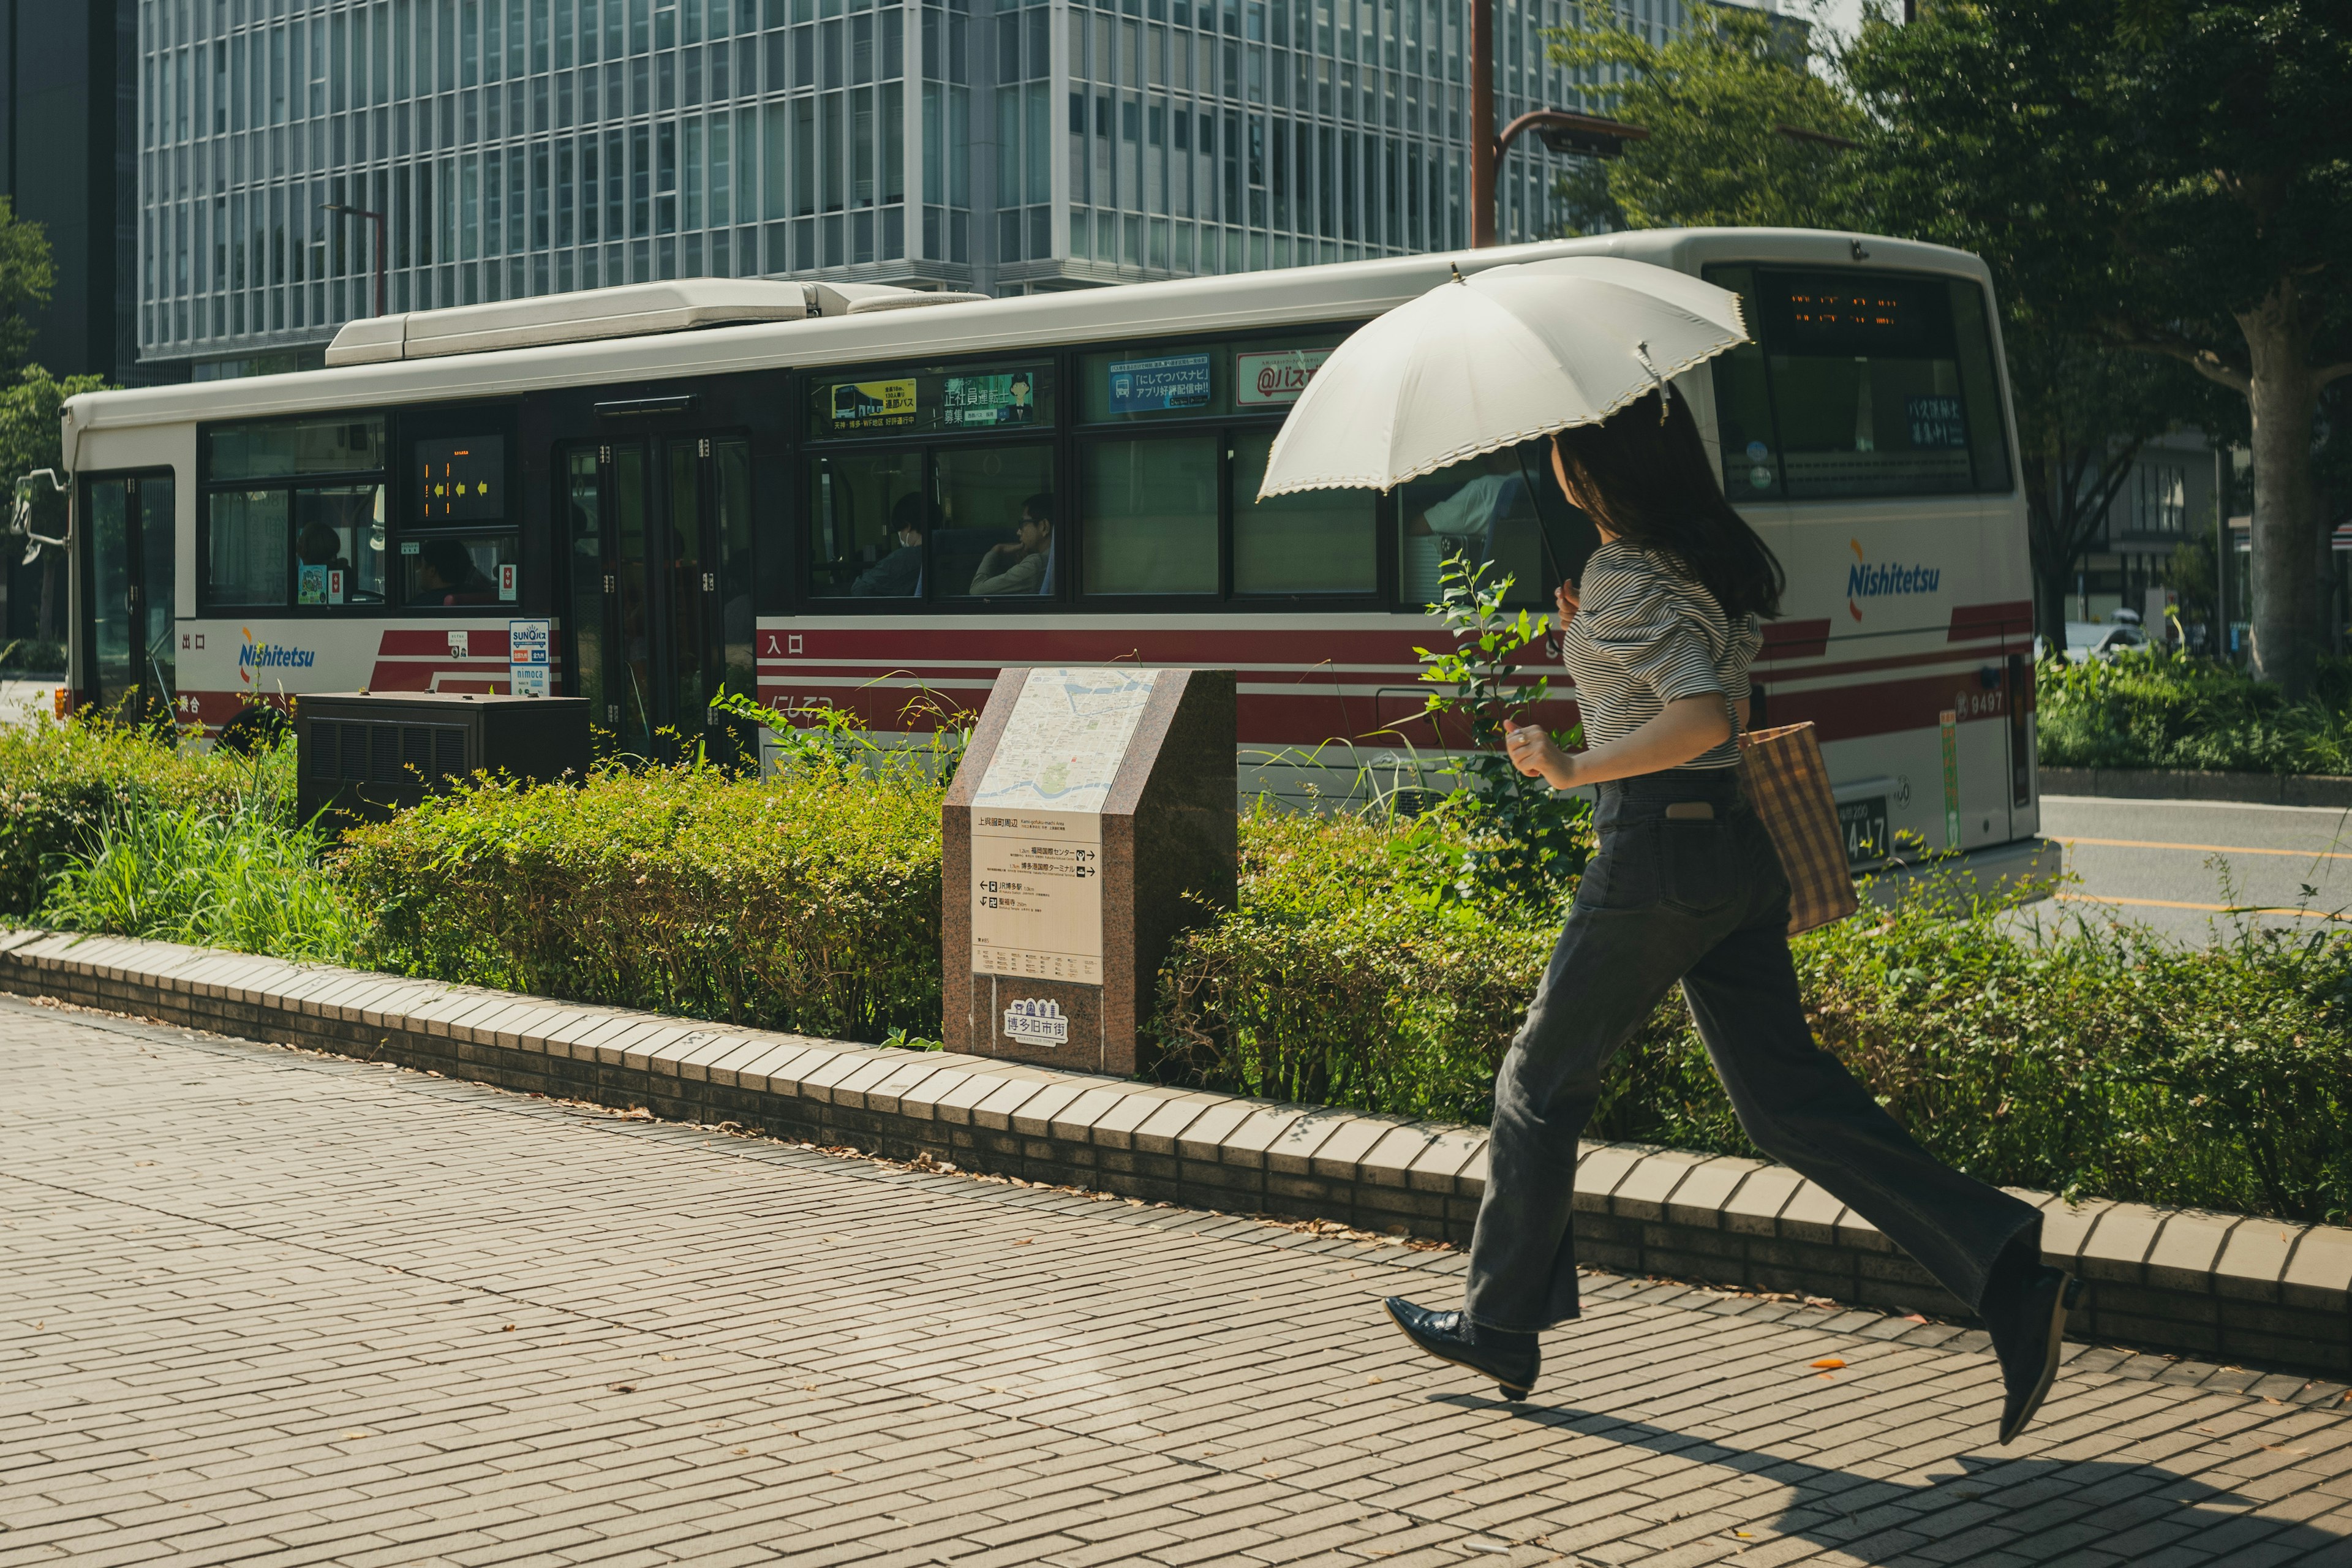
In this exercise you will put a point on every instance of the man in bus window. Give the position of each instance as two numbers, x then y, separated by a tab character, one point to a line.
1020	567
445	576
898	575
1460	524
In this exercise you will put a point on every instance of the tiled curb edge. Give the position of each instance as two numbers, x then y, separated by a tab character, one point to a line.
2242	1291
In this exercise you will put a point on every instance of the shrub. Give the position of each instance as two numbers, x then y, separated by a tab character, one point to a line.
2162	709
2081	1058
1367	965
809	902
240	879
61	785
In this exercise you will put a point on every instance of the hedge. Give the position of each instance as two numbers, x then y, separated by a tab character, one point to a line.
2160	709
810	902
1375	961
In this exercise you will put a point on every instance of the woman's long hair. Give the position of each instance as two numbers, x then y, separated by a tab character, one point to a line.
1650	482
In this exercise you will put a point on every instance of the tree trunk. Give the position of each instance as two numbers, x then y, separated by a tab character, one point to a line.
2283	395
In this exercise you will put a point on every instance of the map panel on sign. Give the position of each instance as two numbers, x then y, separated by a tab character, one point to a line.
1067	735
1036	895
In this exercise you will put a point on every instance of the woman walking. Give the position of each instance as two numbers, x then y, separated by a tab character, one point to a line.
1688	887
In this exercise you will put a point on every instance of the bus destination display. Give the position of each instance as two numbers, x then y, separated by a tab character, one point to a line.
463	480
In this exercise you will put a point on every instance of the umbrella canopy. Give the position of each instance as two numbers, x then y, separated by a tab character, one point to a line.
1490	361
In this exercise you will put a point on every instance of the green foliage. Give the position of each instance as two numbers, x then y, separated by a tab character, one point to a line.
238	879
32	654
1531	836
63	786
2084	1058
1357	969
2171	176
27	278
1713	98
2156	709
2087	1058
808	902
31	401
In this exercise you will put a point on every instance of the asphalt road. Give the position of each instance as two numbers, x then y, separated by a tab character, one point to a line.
2199	871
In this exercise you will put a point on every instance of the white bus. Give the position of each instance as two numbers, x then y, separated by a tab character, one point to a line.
817	492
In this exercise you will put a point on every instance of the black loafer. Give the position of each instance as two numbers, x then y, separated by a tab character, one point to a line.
1511	1359
2028	1332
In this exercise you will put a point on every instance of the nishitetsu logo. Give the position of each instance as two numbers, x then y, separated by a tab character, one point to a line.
254	657
1867	579
1037	1020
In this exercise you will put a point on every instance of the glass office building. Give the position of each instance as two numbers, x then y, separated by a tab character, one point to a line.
523	147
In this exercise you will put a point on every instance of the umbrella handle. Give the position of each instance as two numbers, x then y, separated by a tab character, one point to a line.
1535	504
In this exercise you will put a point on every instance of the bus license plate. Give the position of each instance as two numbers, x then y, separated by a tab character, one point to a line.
1864	823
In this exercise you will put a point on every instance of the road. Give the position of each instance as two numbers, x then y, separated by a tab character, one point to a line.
2181	866
266	1307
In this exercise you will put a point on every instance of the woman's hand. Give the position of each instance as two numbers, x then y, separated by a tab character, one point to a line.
1530	749
1564	597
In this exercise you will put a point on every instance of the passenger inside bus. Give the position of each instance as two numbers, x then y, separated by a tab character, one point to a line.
898	575
1465	521
445	576
1024	566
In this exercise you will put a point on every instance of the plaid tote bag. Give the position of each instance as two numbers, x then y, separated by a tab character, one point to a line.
1789	788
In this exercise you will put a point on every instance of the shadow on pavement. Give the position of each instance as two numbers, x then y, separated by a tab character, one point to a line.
2108	1509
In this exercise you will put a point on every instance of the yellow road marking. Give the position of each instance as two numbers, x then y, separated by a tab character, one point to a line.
2212	848
2209	909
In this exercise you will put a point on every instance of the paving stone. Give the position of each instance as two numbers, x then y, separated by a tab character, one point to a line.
831	1361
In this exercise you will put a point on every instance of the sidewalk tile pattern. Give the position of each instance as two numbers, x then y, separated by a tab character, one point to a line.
269	1307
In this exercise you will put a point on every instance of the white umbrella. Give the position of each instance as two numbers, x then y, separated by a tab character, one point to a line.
1490	361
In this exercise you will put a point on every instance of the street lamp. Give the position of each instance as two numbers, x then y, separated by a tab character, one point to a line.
1560	131
377	218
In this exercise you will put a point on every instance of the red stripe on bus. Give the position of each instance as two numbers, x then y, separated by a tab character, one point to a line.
1970	622
1794	639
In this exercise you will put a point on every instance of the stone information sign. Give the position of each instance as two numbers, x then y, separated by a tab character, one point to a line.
1053	948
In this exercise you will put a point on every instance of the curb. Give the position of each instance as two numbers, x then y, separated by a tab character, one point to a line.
2216	1285
2167	784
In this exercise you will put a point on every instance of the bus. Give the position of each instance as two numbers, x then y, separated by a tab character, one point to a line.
877	497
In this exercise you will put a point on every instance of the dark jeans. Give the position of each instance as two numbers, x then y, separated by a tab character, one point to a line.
1705	902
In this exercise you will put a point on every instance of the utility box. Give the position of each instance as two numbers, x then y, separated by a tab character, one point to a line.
364	756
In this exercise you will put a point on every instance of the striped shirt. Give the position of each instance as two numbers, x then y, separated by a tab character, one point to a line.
1646	635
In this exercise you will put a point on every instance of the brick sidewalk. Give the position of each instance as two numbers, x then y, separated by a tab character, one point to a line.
268	1307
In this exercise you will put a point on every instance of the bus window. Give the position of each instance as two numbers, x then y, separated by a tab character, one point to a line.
246	563
1863	384
338	545
996	517
333	443
278	533
1320	542
453	571
1482	511
1151	516
866	526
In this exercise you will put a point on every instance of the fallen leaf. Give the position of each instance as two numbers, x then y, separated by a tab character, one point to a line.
1024	1241
507	1330
622	1387
355	1436
1829	1364
1913	1318
739	1450
1375	1380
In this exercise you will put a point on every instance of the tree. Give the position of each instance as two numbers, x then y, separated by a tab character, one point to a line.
2177	177
27	278
31	439
1713	98
2084	409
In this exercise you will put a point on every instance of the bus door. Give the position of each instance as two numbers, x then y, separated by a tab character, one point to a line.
127	563
661	530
